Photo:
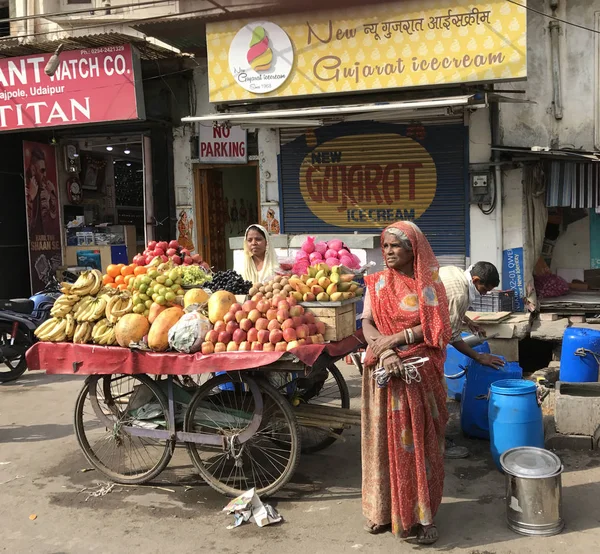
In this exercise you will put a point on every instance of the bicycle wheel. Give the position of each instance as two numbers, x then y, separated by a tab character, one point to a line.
331	392
225	407
11	369
106	404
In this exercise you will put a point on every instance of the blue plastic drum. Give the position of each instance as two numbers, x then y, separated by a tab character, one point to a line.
580	355
456	367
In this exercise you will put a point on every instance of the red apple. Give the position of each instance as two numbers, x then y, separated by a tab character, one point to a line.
283	305
220	347
219	326
176	260
240	316
151	245
173	244
232	347
272	314
224	337
275	336
249	305
257	346
263	336
287	324
197	258
302	331
289	334
231	327
254	315
188	260
239	336
208	348
246	324
292	301
296	311
281	347
212	336
309	318
282	315
229	316
293	344
312	329
298	320
274	324
276	300
235	308
171	252
262	324
245	346
263	306
268	347
320	327
253	335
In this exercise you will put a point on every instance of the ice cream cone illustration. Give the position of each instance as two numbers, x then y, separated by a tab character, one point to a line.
260	55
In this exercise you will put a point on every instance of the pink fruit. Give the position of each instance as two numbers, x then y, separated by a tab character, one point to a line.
164	258
301	255
335	244
296	311
239	336
212	336
289	334
158	251
231	327
149	259
257	346
239	316
268	347
301	342
292	345
262	324
207	348
232	347
308	340
253	335
309	245
287	324
347	261
282	315
263	336
272	314
263	306
281	347
275	336
302	331
331	254
274	324
316	257
298	320
171	252
312	329
248	306
356	261
244	346
174	244
162	244
224	337
219	326
332	261
197	258
321	247
283	305
320	327
309	318
292	301
188	260
235	308
176	260
220	347
254	315
276	300
152	245
229	316
245	324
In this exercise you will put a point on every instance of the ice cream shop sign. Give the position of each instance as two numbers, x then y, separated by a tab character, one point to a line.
89	86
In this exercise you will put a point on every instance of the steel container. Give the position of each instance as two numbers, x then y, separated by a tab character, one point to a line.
533	491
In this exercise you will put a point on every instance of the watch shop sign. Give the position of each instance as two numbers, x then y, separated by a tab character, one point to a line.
96	85
223	144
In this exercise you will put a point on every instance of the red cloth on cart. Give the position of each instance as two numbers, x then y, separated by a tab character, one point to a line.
88	359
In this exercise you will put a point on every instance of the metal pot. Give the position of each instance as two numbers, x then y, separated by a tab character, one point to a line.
533	491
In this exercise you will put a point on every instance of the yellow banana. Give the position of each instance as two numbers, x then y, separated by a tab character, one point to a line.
124	307
70	327
58	331
111	306
42	331
97	276
84	284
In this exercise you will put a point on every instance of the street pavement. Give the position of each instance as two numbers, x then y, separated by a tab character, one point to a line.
46	508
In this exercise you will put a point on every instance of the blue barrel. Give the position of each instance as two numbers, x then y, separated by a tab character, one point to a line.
515	417
456	367
474	406
577	363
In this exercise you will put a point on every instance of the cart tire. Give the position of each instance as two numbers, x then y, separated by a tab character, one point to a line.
313	439
89	402
14	368
281	459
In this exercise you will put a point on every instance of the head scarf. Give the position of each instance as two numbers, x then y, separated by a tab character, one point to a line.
249	271
398	302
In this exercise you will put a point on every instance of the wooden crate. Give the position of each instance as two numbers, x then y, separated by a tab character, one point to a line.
339	317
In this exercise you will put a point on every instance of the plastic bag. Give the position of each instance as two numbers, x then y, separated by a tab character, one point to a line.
187	335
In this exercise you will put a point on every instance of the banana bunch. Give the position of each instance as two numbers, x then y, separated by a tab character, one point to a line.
118	306
89	308
52	330
64	305
88	283
83	332
104	333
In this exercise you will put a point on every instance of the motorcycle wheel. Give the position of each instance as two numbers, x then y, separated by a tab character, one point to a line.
12	369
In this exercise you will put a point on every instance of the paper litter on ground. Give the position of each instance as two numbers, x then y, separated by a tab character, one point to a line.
248	507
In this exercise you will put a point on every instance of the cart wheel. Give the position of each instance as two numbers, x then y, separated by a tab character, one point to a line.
225	406
104	405
332	392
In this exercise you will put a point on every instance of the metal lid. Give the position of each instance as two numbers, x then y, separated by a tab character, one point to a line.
527	461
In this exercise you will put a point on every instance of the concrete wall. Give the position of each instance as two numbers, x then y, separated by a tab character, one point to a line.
572	249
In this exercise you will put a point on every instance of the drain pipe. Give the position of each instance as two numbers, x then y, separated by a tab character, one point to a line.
554	26
496	140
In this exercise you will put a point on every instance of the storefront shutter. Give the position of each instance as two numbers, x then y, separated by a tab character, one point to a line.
360	177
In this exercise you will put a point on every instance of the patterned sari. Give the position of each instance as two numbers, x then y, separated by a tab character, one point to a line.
403	424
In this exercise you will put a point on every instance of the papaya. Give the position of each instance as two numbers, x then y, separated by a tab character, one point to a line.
158	337
131	328
219	304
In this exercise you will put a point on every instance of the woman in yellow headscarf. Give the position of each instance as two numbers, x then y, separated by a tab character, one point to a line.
260	260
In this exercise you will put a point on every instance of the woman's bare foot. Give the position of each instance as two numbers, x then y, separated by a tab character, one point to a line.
376	528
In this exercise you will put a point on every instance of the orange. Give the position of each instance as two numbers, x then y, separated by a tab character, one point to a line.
107	279
113	270
119	279
127	270
122	286
140	270
111	285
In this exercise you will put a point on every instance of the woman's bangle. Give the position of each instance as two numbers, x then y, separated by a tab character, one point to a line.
386	354
409	336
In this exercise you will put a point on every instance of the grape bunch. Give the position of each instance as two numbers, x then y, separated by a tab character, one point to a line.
230	281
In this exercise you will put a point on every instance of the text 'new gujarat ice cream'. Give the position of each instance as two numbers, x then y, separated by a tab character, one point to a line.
260	55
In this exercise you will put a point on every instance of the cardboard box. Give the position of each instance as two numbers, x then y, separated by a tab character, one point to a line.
592	278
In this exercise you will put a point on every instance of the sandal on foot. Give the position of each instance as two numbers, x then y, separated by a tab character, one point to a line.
377	528
427	535
411	533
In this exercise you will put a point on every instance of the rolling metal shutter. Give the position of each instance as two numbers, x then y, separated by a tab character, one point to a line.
361	176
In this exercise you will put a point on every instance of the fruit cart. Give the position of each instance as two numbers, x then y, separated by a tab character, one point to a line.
244	417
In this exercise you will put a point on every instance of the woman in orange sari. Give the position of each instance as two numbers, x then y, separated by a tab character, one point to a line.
404	415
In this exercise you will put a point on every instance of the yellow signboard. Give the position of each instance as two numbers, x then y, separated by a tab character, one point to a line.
384	46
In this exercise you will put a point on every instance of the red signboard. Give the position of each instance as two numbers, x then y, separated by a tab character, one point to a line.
89	86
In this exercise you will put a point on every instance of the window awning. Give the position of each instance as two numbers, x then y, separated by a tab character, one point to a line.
317	116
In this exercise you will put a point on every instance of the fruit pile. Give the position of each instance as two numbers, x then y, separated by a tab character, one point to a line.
168	251
230	281
332	253
269	325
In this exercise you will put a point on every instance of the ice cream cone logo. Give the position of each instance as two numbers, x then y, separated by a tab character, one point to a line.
260	55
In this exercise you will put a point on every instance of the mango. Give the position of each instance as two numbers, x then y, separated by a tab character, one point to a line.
323	297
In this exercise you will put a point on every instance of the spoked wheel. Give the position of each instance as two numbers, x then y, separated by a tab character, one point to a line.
105	406
11	369
260	446
331	391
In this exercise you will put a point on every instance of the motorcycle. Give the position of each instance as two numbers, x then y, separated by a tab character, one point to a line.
19	318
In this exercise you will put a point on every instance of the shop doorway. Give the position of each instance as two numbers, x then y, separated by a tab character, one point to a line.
227	201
